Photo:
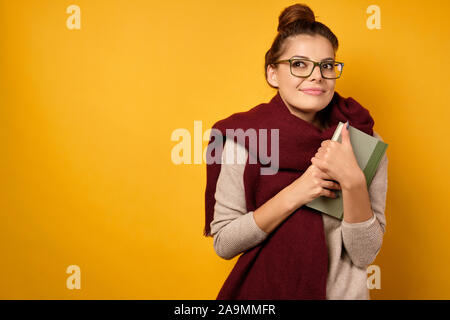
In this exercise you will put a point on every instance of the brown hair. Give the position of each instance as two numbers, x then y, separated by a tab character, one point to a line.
295	20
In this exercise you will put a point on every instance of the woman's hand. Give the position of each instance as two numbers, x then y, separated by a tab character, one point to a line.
312	184
337	159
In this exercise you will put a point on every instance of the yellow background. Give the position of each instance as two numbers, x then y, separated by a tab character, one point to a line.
86	118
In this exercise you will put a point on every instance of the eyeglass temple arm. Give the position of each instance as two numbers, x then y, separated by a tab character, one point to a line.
288	60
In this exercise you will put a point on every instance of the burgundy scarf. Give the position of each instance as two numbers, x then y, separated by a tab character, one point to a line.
292	262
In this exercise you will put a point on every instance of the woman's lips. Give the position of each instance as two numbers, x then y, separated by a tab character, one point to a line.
313	92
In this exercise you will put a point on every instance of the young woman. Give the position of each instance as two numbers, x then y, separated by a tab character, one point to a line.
291	251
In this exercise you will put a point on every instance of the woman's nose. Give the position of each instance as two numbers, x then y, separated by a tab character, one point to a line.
316	74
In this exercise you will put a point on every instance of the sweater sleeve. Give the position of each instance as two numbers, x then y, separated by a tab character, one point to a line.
363	240
233	228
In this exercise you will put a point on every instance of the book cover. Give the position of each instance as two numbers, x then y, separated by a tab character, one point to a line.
368	152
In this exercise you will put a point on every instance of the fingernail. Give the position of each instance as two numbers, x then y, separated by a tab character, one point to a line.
348	124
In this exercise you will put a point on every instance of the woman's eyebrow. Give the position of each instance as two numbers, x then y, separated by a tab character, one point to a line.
329	58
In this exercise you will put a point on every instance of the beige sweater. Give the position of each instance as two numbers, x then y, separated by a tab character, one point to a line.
351	246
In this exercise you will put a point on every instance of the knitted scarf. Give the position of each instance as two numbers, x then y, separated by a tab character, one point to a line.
292	261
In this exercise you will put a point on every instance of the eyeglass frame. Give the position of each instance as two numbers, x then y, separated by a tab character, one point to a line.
314	66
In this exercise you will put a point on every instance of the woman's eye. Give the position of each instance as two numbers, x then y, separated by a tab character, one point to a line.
298	64
327	66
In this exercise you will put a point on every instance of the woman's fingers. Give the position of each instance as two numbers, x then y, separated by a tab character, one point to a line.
329	184
327	181
328	193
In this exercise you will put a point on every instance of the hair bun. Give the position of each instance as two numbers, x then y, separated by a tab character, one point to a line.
293	13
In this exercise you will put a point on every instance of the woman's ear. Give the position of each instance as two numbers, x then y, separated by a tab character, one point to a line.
272	76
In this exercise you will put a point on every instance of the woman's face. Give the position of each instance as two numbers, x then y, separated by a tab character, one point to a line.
292	88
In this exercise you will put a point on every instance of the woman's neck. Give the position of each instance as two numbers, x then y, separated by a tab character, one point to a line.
307	116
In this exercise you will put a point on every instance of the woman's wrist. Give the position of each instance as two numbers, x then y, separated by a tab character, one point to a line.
275	210
354	179
290	200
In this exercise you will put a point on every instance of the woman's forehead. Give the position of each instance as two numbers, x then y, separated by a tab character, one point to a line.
314	47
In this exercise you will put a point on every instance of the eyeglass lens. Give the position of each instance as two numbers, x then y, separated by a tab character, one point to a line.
303	68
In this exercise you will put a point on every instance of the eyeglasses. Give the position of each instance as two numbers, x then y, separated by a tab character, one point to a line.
303	68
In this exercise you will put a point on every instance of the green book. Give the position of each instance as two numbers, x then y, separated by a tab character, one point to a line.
368	152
